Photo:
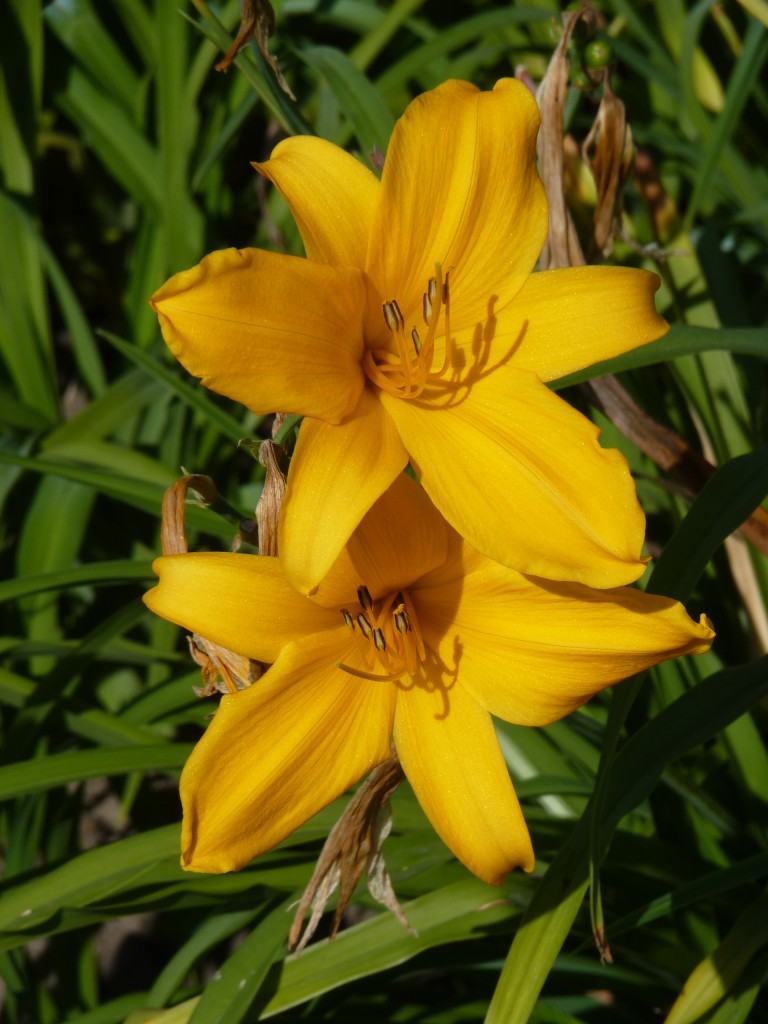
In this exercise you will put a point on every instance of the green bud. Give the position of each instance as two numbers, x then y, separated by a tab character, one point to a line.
598	54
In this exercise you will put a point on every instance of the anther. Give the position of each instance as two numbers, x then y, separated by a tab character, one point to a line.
365	627
416	341
393	318
378	640
364	597
348	619
402	622
446	290
426	308
389	316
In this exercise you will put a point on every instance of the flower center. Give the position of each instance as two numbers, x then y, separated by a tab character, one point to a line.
406	372
388	635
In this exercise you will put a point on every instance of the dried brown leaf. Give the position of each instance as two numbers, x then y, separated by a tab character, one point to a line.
258	23
562	247
354	845
609	152
222	670
273	492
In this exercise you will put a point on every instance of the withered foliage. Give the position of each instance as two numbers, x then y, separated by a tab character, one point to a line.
353	846
609	153
257	23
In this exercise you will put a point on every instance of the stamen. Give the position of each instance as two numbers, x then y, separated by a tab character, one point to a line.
393	317
448	356
406	371
390	677
426	308
389	316
389	634
402	622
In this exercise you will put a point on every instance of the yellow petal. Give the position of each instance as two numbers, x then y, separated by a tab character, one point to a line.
337	472
532	651
520	475
332	197
460	187
448	749
242	602
563	320
273	332
401	538
278	752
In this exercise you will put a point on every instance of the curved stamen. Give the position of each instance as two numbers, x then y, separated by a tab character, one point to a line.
406	373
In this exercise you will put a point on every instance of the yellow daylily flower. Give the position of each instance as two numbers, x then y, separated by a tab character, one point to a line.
415	330
413	635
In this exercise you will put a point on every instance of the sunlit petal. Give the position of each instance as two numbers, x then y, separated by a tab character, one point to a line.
460	187
521	475
337	473
277	753
273	332
532	651
449	751
222	596
332	196
563	320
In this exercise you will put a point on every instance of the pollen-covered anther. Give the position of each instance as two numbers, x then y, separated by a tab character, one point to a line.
364	597
365	627
348	619
406	371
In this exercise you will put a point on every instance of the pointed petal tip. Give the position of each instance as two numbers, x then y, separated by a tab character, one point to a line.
705	635
496	874
210	862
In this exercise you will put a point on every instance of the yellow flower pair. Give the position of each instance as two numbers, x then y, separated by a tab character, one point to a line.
413	332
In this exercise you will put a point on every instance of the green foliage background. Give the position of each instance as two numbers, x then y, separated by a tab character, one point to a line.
123	158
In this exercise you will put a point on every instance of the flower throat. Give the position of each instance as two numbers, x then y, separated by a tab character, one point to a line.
406	372
387	633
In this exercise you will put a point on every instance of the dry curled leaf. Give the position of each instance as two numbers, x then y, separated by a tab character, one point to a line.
353	846
258	23
222	670
272	494
609	152
562	247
